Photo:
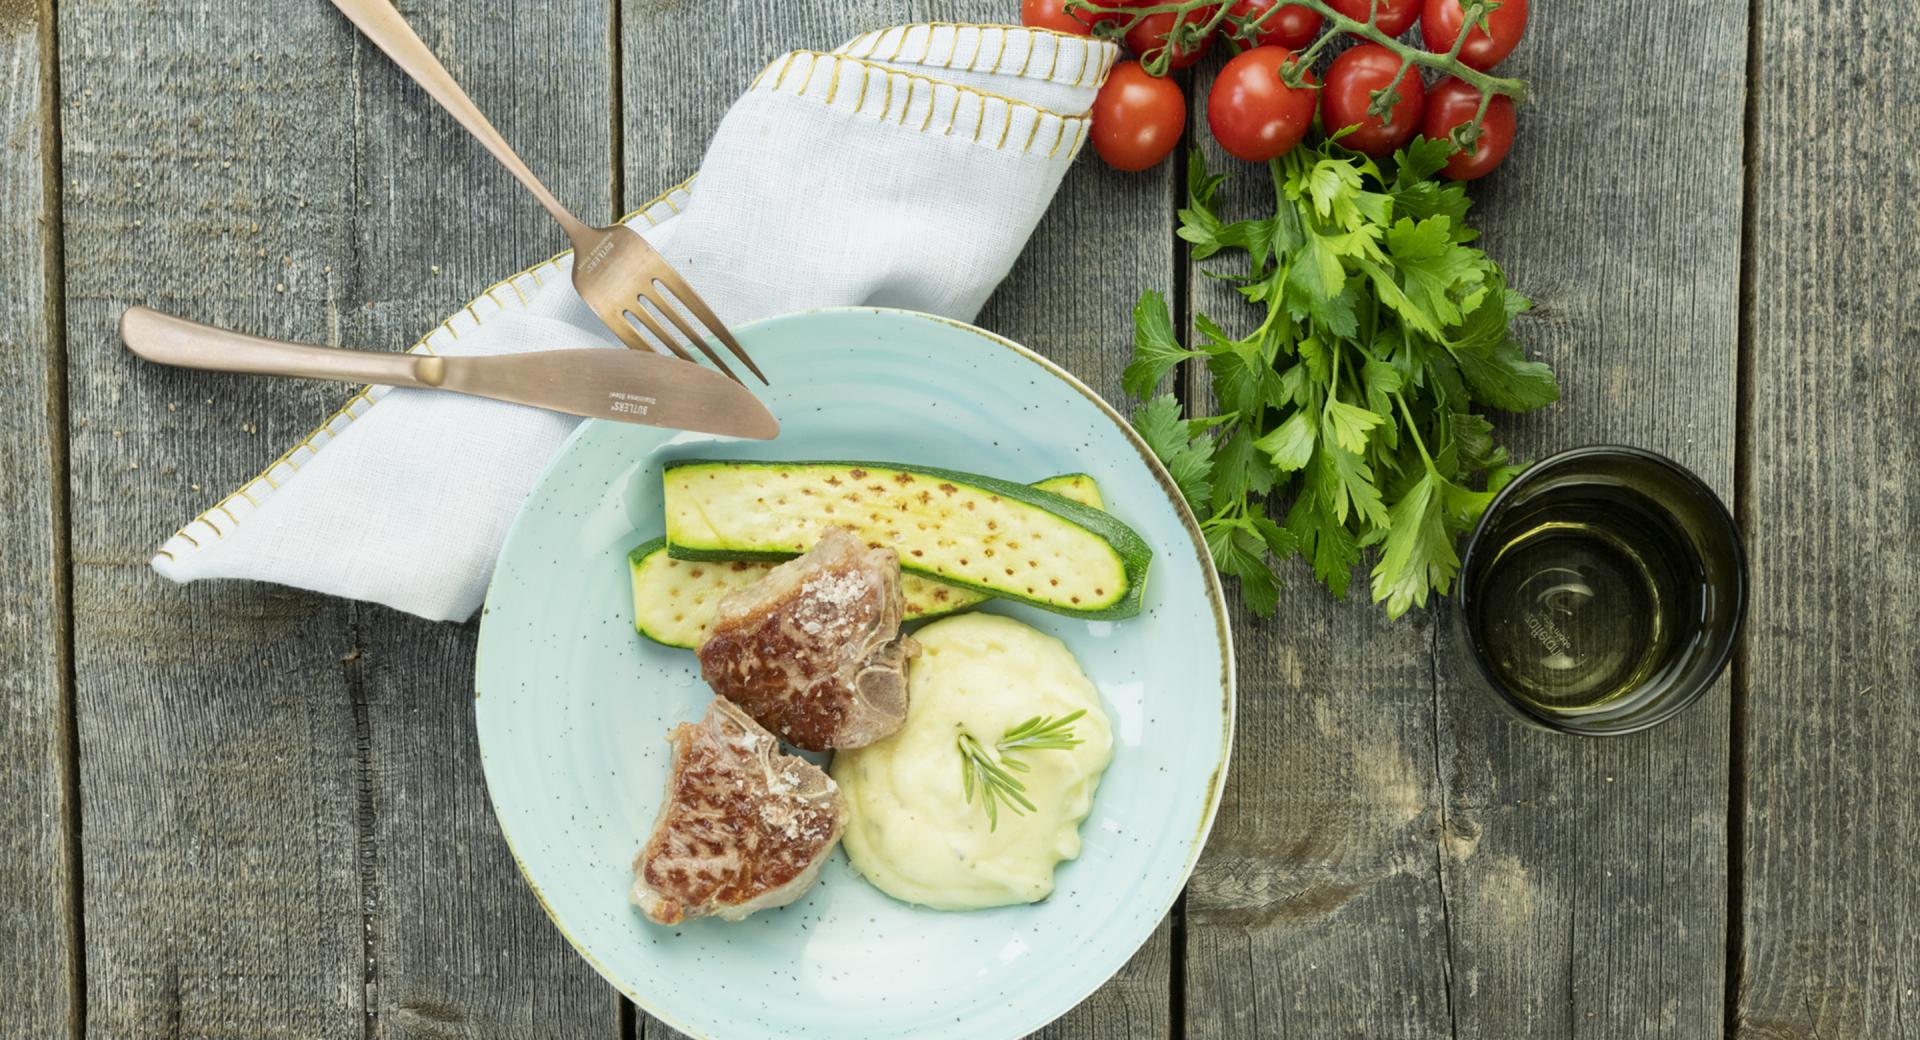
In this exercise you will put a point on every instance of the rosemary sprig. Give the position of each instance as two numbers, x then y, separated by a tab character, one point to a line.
979	768
1042	733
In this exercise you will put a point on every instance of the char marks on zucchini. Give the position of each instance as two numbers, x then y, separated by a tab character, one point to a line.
674	600
991	535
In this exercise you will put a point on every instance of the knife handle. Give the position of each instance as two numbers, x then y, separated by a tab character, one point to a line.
168	340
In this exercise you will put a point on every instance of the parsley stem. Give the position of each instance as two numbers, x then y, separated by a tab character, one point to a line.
1414	429
1333	383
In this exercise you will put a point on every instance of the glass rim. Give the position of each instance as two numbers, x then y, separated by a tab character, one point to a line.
1724	521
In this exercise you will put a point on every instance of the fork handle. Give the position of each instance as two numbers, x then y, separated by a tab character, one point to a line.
168	340
382	23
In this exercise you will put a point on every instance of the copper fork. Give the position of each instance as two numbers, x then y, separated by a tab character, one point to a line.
625	281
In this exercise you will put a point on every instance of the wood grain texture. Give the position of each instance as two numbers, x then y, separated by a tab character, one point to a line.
1386	830
1068	297
38	959
1830	925
1316	910
1585	881
286	832
289	835
459	943
206	161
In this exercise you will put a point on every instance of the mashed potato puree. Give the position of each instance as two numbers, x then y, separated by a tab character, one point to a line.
913	833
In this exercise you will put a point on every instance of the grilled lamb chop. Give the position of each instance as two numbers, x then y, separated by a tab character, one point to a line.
744	826
813	651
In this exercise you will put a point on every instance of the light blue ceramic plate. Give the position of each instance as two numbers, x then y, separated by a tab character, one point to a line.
573	707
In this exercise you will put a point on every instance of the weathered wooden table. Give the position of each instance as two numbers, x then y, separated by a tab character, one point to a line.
237	811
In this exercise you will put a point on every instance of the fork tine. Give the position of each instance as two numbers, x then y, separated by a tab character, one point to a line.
622	326
670	280
640	315
665	307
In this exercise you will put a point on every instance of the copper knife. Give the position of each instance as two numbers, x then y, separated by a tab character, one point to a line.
628	386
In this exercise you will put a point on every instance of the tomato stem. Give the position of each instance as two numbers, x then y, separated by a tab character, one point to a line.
1448	63
1381	103
1116	19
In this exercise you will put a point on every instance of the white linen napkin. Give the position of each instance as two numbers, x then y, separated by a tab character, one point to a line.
905	169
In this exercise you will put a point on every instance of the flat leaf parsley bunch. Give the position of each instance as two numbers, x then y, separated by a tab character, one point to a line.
1357	395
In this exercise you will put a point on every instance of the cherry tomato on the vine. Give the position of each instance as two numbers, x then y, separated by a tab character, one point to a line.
1292	27
1396	16
1352	80
1440	26
1148	37
1453	102
1137	118
1053	14
1254	114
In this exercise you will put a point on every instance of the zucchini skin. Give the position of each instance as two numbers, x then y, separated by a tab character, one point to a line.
1133	552
645	549
635	557
1082	486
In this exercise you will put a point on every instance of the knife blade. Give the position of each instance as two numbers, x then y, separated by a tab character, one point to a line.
627	386
619	385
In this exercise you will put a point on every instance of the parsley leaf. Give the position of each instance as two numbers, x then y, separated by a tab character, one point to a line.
1350	423
1324	541
1240	552
1290	445
1189	459
1155	349
1434	271
1357	405
1505	379
1240	377
1417	163
1348	485
1316	287
1418	552
1239	469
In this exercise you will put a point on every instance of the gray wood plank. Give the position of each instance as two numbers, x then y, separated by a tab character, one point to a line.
1830	928
38	959
205	162
1068	297
1386	830
1316	910
459	943
288	832
1586	880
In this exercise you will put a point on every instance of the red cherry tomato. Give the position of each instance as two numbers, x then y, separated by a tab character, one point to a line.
1440	26
1254	115
1292	27
1137	118
1396	16
1351	81
1053	14
1452	102
1148	37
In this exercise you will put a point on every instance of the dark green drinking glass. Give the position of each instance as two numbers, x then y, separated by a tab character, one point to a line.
1602	591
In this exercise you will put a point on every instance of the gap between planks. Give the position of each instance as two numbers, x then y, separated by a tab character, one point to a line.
626	1016
1182	311
60	499
1740	679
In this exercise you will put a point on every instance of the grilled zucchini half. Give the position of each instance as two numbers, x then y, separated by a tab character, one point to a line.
982	533
674	600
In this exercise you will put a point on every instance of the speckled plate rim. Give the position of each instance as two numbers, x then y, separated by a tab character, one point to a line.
1216	600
